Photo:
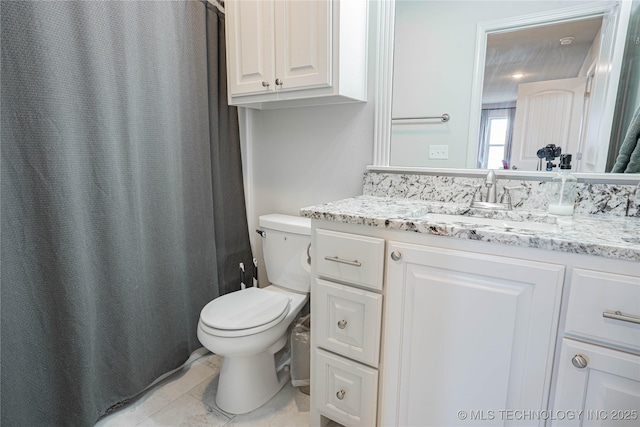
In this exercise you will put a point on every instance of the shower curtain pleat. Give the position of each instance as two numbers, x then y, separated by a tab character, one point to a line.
110	232
232	241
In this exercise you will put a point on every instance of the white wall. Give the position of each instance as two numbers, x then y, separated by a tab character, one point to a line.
300	157
303	157
309	155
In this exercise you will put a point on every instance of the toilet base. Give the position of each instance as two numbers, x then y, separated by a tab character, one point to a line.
246	383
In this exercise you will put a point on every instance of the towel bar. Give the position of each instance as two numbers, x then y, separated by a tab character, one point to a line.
444	118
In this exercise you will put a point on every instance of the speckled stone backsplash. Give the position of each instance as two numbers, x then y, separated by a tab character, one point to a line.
593	199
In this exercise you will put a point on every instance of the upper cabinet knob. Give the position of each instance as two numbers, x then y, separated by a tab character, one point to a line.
279	82
265	84
396	256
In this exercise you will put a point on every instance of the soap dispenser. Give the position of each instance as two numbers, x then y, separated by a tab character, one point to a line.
564	188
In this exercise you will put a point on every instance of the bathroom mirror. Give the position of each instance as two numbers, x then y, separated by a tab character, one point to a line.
459	57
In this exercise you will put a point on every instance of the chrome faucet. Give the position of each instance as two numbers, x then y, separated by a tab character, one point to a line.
491	200
490	183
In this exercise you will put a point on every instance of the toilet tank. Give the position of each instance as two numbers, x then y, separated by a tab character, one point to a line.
285	246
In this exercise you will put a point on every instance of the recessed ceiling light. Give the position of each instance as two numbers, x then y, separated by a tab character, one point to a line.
517	75
566	40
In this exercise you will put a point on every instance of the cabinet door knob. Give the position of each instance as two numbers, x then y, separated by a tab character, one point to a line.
340	394
579	361
342	324
396	256
279	82
265	84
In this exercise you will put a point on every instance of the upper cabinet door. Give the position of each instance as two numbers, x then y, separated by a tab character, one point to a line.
303	43
250	46
293	53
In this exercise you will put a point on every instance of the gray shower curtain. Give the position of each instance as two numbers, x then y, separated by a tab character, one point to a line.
122	209
232	241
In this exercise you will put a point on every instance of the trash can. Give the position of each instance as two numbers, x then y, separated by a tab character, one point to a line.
301	354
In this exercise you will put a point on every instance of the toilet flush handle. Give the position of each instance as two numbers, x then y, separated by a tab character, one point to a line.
261	233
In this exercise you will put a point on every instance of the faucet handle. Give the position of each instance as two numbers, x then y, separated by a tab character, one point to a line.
517	187
476	195
507	194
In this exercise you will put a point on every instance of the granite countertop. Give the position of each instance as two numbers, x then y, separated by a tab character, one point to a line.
610	237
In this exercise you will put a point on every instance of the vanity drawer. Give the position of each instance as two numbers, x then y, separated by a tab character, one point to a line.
344	390
349	258
595	293
347	321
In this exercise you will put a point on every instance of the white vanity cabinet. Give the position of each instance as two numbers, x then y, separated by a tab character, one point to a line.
287	53
346	327
472	333
599	365
466	331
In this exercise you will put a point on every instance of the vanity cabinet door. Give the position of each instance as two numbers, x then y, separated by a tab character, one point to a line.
347	321
347	392
466	332
597	385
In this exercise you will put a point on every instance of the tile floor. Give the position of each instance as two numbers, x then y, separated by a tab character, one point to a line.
187	398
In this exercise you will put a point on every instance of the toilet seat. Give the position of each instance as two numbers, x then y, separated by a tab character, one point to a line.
245	312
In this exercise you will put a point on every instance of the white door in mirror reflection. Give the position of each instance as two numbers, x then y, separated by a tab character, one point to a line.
548	112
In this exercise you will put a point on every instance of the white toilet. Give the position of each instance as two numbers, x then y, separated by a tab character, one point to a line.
249	327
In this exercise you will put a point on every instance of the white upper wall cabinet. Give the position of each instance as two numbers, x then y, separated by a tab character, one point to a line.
250	47
303	36
293	53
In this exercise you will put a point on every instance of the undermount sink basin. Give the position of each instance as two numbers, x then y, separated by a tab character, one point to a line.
504	224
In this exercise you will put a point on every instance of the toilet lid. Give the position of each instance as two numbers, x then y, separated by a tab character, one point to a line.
249	308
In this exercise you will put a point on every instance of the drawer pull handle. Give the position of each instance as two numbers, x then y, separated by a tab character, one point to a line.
340	394
579	361
355	263
618	315
342	324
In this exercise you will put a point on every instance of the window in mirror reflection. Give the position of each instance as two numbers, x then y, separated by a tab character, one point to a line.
496	130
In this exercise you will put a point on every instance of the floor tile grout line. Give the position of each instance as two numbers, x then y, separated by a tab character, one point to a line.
216	409
160	384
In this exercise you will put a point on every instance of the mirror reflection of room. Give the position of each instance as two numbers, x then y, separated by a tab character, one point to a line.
518	82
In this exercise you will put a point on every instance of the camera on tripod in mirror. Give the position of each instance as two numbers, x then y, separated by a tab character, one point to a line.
549	153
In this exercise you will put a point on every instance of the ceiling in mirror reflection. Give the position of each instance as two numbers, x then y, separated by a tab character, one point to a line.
537	54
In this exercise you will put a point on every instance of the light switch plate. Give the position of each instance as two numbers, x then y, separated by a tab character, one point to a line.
439	152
